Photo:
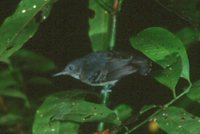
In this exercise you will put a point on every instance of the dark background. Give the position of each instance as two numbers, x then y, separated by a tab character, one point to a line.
64	37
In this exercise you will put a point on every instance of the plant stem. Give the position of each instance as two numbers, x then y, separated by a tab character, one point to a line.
143	122
179	96
113	32
105	92
174	93
165	106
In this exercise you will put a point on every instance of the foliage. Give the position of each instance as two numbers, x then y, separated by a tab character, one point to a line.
166	50
67	111
175	120
22	25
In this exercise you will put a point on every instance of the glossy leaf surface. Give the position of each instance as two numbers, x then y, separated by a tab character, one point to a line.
165	49
174	120
21	26
70	107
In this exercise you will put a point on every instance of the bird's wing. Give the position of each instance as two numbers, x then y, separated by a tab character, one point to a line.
105	67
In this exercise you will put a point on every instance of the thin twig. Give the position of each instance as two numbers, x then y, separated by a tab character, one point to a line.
165	106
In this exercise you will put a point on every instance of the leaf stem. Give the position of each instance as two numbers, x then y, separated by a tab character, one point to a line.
165	106
179	96
174	93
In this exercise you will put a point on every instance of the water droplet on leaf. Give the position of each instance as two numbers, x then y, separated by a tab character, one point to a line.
44	17
179	126
73	103
53	129
34	6
23	11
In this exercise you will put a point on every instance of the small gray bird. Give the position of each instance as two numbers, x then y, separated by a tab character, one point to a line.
106	67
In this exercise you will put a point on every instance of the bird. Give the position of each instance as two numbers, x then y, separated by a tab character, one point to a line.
103	68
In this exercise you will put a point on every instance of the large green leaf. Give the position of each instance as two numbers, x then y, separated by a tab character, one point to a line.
165	49
187	9
194	93
174	120
99	27
29	61
103	23
21	26
70	107
55	127
170	76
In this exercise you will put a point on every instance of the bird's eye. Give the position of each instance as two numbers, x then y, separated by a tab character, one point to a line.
71	67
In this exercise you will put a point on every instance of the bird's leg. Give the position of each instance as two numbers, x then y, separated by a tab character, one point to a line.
105	93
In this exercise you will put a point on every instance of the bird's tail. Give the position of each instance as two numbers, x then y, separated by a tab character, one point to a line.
144	65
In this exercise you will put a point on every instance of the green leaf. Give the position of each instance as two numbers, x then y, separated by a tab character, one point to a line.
174	120
165	49
55	128
21	26
147	108
188	36
30	61
99	27
123	111
9	119
186	9
102	26
194	93
70	127
10	87
170	76
71	107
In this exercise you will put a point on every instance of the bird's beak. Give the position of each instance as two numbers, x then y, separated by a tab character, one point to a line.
59	74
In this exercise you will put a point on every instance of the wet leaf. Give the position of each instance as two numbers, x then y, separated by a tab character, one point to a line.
165	49
101	23
174	120
99	27
170	76
21	26
71	107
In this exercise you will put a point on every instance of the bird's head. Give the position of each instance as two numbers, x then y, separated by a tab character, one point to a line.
73	69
